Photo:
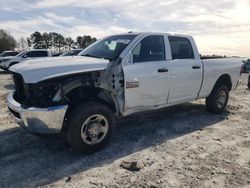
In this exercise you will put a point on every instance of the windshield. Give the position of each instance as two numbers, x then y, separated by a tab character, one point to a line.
2	54
20	54
109	47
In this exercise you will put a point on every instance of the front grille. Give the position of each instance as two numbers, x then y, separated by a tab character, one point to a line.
19	88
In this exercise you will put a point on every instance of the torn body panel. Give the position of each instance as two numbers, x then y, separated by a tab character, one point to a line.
107	85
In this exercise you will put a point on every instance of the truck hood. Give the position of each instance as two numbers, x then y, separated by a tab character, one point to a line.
37	70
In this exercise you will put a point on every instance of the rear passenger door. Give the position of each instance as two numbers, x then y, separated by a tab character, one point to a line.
185	70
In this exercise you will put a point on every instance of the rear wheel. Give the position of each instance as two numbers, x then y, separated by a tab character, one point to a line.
90	127
216	102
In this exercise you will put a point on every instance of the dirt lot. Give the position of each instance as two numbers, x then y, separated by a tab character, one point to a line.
181	146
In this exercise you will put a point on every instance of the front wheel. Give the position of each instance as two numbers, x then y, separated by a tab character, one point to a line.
90	127
216	102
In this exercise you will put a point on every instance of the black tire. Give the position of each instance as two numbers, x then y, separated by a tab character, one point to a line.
212	100
76	121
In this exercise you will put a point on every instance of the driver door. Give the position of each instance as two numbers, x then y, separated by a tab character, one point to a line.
146	78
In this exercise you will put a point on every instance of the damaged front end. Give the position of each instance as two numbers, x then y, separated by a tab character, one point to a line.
41	107
38	95
30	109
47	93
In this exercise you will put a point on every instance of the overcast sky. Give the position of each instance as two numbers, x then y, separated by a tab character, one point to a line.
218	26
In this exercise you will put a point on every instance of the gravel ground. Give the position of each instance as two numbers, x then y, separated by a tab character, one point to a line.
180	146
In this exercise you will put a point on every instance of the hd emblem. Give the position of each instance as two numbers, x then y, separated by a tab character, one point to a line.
132	84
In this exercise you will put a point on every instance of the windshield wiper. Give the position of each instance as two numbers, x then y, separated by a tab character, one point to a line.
88	55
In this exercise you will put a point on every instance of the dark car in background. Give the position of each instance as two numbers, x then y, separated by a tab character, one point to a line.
246	66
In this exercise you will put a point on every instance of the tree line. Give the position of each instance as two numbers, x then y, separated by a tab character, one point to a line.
7	42
56	42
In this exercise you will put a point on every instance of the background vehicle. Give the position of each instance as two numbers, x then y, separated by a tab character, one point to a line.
8	53
116	76
246	66
243	68
71	52
23	56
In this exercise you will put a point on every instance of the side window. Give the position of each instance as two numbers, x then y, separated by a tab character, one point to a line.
37	54
12	53
41	54
30	54
151	48
181	48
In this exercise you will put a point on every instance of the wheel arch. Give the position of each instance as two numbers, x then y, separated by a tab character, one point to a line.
81	94
224	79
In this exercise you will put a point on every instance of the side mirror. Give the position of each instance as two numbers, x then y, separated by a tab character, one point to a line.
25	56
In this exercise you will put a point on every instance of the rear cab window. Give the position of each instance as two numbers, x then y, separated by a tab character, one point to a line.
181	48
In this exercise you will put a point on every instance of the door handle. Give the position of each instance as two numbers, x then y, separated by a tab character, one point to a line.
162	70
196	66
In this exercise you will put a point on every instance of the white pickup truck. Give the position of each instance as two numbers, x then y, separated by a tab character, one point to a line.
81	96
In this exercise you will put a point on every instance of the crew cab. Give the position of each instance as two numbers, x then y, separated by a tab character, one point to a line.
7	62
82	96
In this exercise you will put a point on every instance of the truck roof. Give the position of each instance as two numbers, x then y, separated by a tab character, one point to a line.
156	33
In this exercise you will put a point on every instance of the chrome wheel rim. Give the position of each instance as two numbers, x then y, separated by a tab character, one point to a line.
94	129
221	99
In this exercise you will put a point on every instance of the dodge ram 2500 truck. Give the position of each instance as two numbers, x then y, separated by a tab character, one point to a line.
81	96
